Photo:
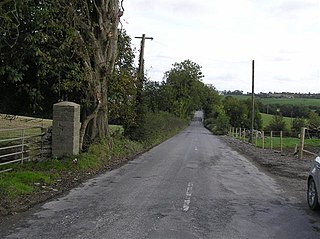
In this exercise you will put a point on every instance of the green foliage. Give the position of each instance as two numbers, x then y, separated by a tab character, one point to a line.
297	124
314	120
157	126
37	61
277	124
185	88
266	119
239	112
122	86
218	125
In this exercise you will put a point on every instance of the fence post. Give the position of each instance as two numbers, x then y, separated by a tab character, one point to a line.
302	135
240	134
236	132
281	141
271	143
244	134
22	145
232	131
262	135
256	138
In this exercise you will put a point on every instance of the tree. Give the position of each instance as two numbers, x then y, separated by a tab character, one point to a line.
314	120
96	27
52	46
236	111
122	86
184	79
37	63
297	124
277	123
257	123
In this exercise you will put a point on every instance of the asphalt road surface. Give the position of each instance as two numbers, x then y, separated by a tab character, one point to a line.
191	186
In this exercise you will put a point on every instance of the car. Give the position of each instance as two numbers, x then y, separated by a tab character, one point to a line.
313	191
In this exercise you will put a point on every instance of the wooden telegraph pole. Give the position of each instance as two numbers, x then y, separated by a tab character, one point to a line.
140	76
141	57
141	68
252	104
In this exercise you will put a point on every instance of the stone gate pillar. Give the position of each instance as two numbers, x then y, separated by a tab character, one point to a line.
66	128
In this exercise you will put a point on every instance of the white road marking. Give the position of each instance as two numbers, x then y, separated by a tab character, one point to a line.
186	203
196	148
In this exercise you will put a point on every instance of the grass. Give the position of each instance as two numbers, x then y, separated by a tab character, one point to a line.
24	179
23	122
266	118
15	184
286	101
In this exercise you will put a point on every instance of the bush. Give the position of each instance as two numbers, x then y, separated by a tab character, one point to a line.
158	126
219	125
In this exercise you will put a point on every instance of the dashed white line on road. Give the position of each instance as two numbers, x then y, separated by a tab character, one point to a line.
187	200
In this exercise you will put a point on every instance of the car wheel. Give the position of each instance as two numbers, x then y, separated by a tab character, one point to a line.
312	195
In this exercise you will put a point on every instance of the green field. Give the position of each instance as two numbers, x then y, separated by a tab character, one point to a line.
282	101
12	128
294	101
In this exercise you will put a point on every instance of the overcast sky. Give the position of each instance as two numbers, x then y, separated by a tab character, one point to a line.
224	36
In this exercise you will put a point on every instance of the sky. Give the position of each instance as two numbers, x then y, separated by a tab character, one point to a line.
224	36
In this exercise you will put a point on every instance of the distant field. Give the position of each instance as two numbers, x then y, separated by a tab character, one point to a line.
284	101
267	119
294	101
7	122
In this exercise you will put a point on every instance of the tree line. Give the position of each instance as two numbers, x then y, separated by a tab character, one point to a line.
73	50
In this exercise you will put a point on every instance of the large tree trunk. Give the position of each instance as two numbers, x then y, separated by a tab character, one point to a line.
101	33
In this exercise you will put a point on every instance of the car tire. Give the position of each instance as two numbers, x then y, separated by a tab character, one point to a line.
312	195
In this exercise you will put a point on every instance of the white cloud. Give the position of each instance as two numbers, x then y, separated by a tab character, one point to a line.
224	36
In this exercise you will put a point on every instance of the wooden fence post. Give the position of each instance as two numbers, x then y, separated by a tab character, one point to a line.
302	135
262	135
232	131
240	134
271	143
236	132
256	138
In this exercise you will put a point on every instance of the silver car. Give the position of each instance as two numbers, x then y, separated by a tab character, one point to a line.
313	192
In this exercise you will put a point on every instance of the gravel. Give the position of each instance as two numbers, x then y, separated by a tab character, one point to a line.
288	170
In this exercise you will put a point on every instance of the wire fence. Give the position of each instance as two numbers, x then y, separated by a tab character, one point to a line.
306	141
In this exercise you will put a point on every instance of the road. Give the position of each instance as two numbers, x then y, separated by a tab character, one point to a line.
191	186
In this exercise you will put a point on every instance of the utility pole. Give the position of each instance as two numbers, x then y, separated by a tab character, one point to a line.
252	105
141	57
139	109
